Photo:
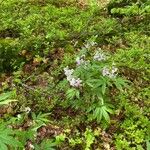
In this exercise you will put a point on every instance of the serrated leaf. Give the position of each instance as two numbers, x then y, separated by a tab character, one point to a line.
118	86
48	145
98	114
9	140
5	98
89	84
6	95
5	102
109	110
148	144
102	112
94	83
103	88
106	115
71	93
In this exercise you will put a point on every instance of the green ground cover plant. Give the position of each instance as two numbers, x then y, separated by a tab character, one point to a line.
74	75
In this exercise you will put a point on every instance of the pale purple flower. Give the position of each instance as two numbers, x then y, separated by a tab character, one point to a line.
105	71
76	82
79	61
111	73
72	80
99	56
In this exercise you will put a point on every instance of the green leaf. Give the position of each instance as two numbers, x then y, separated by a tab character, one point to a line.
109	110
118	86
98	114
72	93
147	144
94	83
3	146
103	88
46	145
105	114
120	83
5	102
6	95
40	120
7	138
5	98
102	112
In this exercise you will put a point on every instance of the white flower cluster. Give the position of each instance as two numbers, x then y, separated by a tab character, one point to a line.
75	82
111	73
68	72
99	56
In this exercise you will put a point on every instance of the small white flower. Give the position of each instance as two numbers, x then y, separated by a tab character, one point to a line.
93	43
78	82
31	146
69	78
73	82
99	56
114	70
90	44
87	45
79	61
111	73
83	56
105	71
68	72
27	109
19	116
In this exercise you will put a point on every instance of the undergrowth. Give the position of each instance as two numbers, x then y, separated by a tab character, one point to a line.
74	75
